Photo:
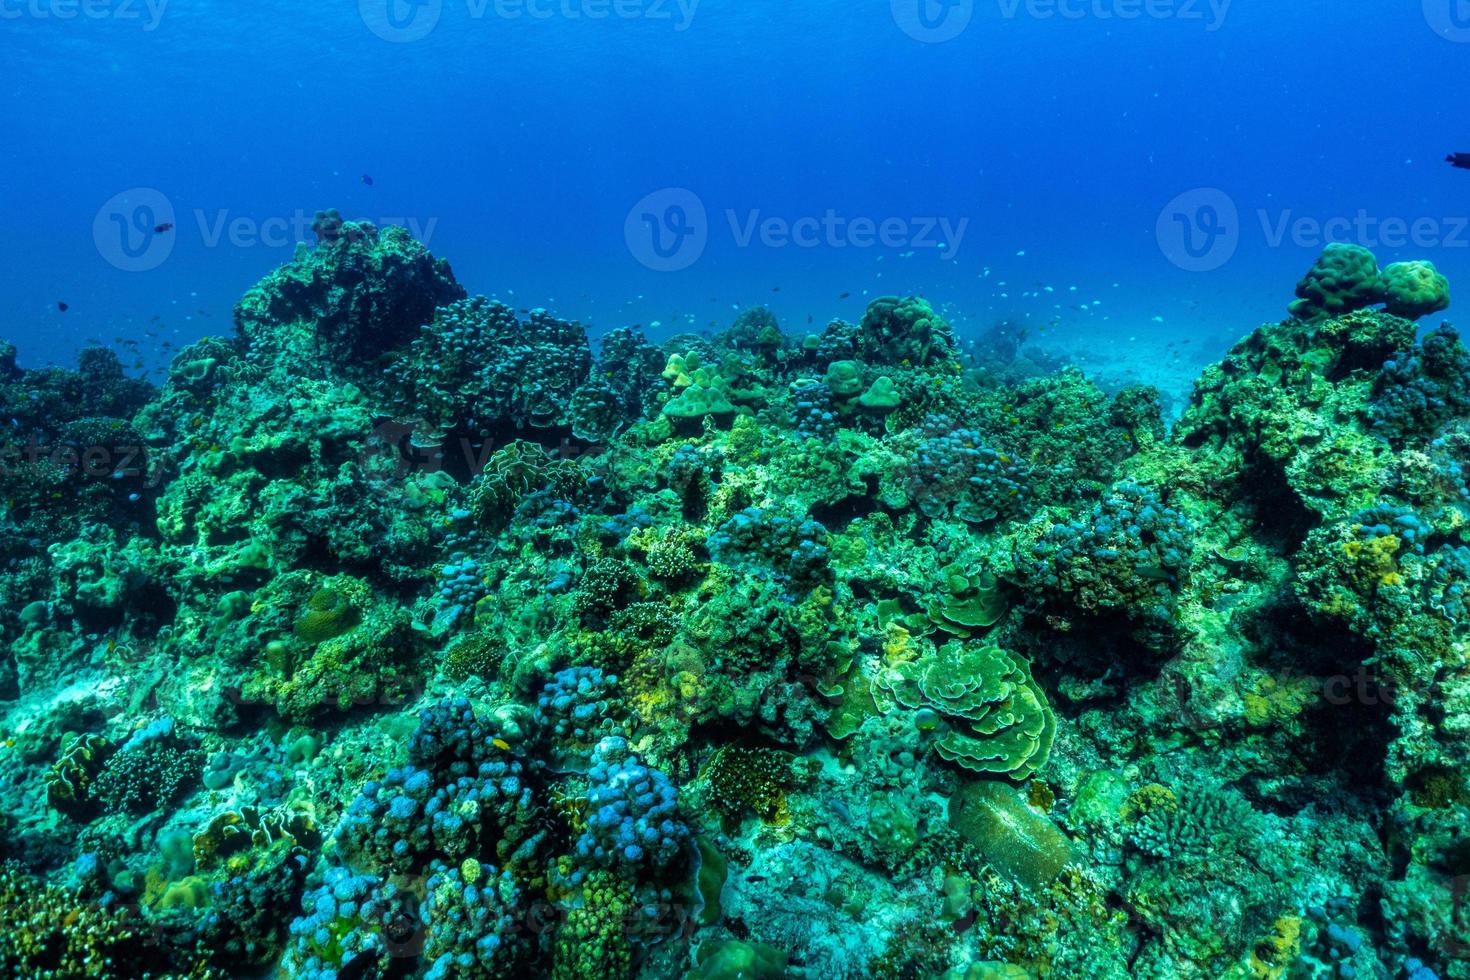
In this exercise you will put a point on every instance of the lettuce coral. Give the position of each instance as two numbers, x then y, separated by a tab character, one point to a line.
999	721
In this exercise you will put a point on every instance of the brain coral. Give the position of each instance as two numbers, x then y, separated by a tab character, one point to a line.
1415	289
1345	278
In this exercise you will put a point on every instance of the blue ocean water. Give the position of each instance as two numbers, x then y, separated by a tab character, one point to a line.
1122	175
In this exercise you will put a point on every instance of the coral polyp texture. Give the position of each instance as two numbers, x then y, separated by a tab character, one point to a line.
440	639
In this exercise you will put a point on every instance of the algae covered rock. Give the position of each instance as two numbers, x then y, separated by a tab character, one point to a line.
360	292
1012	837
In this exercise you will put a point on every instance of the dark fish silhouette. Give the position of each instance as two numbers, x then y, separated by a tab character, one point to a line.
160	229
61	307
844	295
367	179
1458	160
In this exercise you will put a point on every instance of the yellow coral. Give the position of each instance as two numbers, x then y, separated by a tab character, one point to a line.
1276	952
1148	798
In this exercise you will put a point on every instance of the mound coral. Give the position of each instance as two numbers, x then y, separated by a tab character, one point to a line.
1343	279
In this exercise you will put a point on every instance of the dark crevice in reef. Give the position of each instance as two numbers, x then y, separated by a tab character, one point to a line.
839	513
1282	520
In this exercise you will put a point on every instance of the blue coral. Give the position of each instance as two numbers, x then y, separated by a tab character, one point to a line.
471	914
462	585
351	925
1419	390
1129	555
451	737
953	473
1392	520
764	541
1447	587
407	819
632	812
577	704
813	411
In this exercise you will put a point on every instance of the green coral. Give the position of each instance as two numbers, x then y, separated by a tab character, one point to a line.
696	402
69	780
882	395
998	720
1343	279
329	613
749	779
970	603
52	933
594	937
332	665
1414	289
733	959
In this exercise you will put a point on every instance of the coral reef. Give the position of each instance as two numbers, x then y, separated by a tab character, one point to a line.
428	638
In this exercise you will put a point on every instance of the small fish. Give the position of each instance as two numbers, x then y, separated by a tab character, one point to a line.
775	289
754	879
1460	161
165	227
500	744
844	296
62	307
367	179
